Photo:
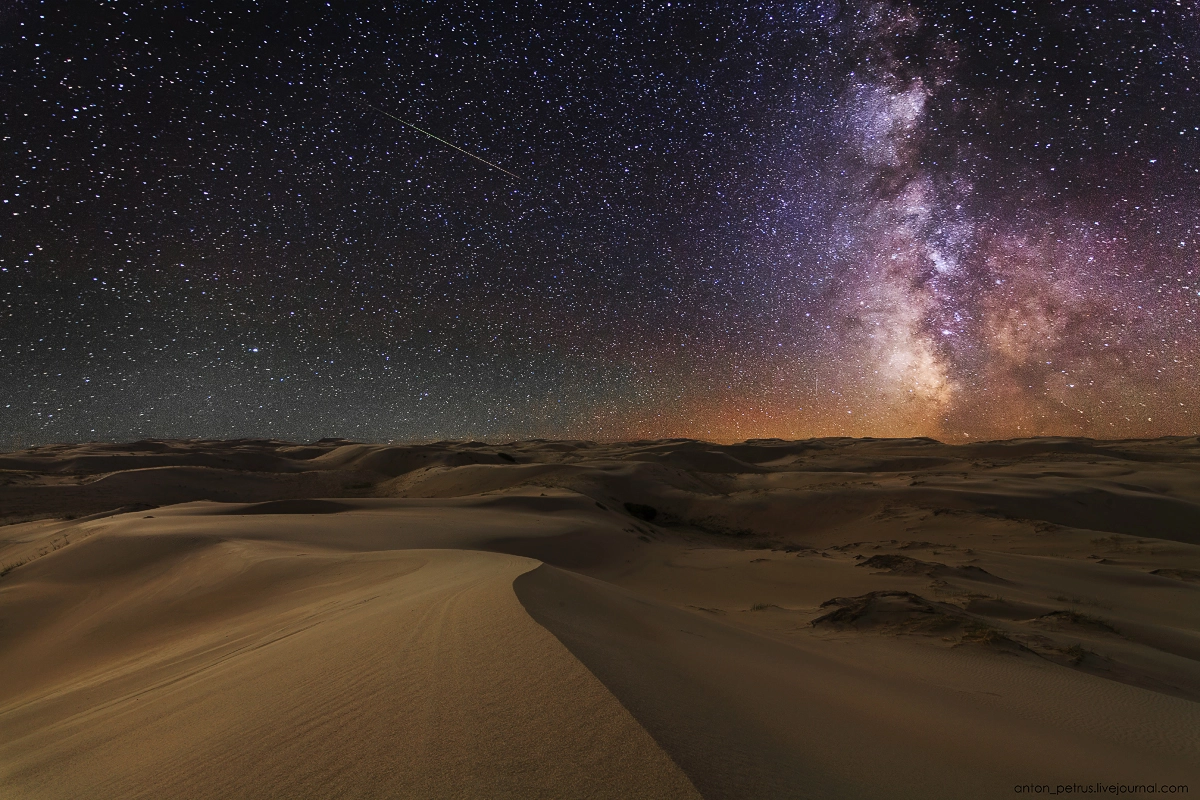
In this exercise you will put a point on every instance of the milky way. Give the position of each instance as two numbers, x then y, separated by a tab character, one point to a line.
871	219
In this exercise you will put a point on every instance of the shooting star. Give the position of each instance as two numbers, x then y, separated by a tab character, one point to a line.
434	136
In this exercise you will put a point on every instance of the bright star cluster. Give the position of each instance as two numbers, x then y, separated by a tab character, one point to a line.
871	218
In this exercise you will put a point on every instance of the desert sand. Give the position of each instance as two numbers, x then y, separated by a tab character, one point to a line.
833	618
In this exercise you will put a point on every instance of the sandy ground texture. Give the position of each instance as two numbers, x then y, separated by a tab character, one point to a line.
831	618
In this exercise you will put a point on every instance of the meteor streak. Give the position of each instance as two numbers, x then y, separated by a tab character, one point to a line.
434	136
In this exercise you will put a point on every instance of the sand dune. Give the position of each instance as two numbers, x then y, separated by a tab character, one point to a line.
266	670
748	716
830	618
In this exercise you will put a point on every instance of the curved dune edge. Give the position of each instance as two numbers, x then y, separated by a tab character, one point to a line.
745	715
399	674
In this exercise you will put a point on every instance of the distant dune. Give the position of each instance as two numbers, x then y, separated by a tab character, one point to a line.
832	618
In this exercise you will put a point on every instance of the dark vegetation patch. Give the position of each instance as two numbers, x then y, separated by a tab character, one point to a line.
985	634
905	613
904	565
712	525
893	612
1076	654
1189	575
1073	617
899	565
708	610
1002	608
643	512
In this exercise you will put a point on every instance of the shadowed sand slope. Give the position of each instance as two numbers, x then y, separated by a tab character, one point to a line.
831	618
748	716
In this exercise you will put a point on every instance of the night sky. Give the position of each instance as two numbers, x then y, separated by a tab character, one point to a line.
797	219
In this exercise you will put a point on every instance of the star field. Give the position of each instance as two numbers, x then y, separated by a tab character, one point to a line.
857	218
